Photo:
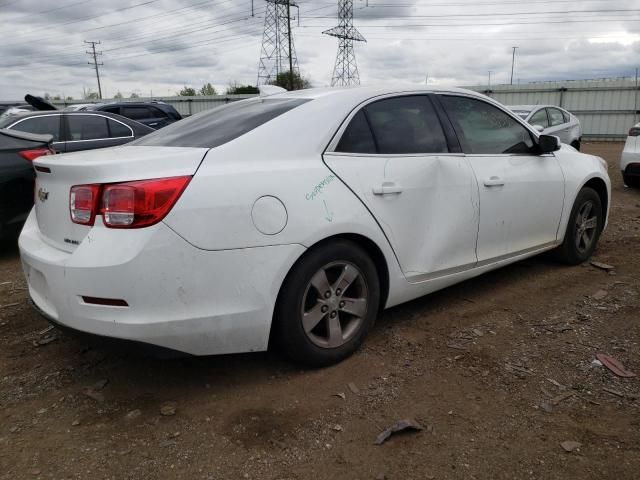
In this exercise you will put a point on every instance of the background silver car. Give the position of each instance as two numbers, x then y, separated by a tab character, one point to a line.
552	120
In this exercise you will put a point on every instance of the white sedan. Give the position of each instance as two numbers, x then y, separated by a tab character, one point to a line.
299	217
552	120
630	159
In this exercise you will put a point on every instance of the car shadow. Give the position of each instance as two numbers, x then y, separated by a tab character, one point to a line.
142	367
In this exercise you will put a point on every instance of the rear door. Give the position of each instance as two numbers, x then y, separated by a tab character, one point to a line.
395	155
87	131
521	192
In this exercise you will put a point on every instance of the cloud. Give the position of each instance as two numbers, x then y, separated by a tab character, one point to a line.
161	45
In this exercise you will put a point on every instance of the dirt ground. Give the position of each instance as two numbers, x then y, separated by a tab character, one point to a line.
498	370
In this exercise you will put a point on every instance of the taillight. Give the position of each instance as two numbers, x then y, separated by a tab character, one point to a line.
83	203
634	132
126	205
142	203
32	154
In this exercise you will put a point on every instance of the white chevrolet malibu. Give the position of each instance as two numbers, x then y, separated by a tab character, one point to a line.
299	217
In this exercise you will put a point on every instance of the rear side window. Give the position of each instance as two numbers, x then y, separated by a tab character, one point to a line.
540	118
41	125
87	127
485	129
406	125
555	116
357	138
157	113
221	125
137	113
117	129
111	109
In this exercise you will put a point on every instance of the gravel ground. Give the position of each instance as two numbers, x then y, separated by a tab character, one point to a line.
498	370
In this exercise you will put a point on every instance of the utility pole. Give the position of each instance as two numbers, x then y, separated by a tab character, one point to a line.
635	101
95	63
278	44
490	79
290	56
513	61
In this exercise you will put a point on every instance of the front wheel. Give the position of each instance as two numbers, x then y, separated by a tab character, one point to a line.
584	228
576	144
327	305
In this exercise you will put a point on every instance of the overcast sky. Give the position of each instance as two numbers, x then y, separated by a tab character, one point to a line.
160	45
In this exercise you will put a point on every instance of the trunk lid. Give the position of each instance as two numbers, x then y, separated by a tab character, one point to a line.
56	174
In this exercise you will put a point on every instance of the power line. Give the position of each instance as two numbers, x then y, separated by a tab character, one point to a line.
95	63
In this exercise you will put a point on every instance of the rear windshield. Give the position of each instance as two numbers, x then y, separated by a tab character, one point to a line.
221	125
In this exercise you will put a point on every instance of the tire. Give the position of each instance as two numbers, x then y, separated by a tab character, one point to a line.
576	249
337	320
631	181
576	144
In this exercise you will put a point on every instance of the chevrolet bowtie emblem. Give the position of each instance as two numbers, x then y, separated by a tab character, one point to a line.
43	195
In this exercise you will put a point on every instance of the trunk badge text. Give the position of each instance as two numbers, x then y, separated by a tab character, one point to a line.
43	195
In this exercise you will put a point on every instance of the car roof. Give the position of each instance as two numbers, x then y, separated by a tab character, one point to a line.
358	92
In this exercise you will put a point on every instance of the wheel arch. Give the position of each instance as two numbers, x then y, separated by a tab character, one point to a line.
600	187
364	242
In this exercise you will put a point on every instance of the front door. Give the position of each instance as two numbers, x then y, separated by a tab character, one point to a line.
521	192
395	156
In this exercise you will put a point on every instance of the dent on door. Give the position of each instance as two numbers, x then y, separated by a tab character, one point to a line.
427	207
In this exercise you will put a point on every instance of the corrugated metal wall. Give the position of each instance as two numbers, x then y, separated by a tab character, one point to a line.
606	108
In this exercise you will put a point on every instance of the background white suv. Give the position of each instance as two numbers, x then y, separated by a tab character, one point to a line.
630	160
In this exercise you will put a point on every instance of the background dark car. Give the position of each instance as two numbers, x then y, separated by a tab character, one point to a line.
74	131
153	114
17	151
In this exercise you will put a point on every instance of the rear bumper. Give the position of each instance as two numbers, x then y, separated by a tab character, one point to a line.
630	163
179	297
632	169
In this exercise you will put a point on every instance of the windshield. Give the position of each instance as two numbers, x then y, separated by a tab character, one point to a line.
221	125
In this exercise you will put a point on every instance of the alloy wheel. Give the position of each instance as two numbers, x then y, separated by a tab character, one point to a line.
334	304
586	227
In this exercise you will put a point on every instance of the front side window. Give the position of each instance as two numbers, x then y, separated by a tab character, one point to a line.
485	129
46	125
540	118
218	126
555	116
87	127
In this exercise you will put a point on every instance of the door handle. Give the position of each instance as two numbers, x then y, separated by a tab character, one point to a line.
153	124
387	188
494	182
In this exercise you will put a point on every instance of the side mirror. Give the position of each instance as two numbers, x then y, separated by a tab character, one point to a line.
548	143
538	128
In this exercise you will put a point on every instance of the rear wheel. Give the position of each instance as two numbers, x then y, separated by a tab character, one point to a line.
631	181
328	304
584	228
